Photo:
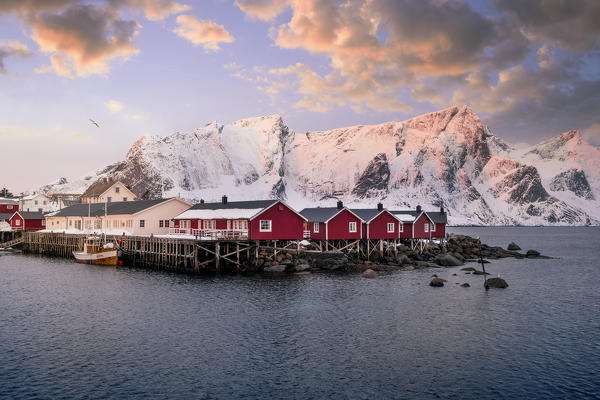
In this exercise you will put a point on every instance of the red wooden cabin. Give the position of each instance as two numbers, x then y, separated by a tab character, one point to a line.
333	223
379	223
418	224
254	220
8	206
27	221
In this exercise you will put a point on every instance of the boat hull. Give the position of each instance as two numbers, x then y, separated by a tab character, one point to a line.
104	257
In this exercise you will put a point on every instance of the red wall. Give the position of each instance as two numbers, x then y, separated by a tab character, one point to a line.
221	224
337	227
419	227
316	235
378	227
440	231
285	224
407	232
5	210
194	224
30	224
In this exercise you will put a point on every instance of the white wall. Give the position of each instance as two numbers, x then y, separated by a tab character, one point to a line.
152	216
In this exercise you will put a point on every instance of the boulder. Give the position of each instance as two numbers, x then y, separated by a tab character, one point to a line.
448	260
275	269
532	254
279	257
465	285
301	267
436	282
408	268
402	259
289	256
468	269
369	273
512	246
496	283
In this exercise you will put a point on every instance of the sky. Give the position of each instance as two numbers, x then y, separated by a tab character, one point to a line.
529	69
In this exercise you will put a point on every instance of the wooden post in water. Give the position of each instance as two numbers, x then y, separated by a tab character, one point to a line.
482	266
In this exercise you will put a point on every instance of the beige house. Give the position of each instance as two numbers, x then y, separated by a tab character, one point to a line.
107	191
139	218
36	202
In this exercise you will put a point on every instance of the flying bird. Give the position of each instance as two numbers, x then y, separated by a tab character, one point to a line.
94	122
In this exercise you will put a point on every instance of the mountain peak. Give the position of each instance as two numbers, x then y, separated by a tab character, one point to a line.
572	134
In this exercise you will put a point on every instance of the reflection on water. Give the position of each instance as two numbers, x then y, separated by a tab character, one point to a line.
71	331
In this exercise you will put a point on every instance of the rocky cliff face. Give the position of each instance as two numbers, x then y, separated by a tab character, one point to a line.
447	157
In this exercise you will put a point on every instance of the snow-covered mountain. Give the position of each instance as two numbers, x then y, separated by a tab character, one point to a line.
447	157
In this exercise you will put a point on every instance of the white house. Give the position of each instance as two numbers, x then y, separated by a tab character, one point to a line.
107	191
140	218
36	202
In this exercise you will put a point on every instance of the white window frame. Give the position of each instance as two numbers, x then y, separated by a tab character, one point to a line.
426	226
270	223
315	227
390	225
17	222
432	227
142	223
161	223
400	227
352	224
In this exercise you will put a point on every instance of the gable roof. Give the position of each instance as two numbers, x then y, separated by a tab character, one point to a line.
250	204
4	200
324	214
114	208
435	216
369	214
33	196
26	215
97	188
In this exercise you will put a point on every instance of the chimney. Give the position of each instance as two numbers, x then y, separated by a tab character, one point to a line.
418	209
224	199
442	209
340	205
379	207
201	201
105	180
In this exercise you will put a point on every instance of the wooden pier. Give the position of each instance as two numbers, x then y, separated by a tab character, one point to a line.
205	256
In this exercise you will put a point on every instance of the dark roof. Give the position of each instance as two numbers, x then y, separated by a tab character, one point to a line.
367	214
9	201
31	215
234	204
4	217
114	208
436	216
319	214
97	188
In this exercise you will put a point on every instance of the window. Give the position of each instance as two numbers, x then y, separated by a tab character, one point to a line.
166	223
161	224
316	227
142	223
124	198
70	223
352	227
265	225
426	228
39	210
400	227
432	227
117	189
43	222
109	199
35	202
45	202
390	227
17	222
9	207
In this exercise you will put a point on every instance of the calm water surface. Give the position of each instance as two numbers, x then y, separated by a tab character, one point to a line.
74	331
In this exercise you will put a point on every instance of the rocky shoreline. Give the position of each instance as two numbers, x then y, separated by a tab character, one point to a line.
458	250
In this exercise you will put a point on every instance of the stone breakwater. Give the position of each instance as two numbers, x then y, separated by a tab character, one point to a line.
457	251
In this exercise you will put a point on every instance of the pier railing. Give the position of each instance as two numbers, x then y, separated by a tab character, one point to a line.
211	234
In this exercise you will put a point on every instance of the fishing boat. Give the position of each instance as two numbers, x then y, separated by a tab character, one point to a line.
94	252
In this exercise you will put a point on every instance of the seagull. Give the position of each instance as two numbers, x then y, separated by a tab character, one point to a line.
94	122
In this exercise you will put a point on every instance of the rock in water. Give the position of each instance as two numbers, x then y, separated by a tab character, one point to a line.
480	273
468	269
532	253
408	268
448	260
369	273
496	283
465	285
513	246
436	282
275	268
